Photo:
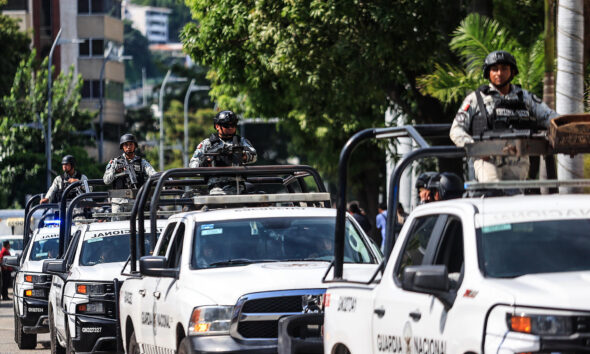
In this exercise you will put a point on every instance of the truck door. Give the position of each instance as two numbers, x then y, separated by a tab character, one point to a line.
61	297
165	296
397	313
146	330
424	317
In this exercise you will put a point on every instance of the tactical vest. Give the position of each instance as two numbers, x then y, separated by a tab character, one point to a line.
123	182
64	183
509	112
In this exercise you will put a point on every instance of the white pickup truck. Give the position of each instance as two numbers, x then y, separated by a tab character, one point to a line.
495	275
82	300
220	280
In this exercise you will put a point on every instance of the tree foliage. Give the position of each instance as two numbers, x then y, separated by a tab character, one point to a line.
472	41
15	47
326	68
137	46
22	148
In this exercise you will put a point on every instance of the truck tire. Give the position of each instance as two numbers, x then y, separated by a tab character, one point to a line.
185	346
133	347
22	339
55	347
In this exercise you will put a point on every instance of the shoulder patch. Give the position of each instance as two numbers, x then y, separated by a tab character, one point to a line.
200	146
536	98
466	107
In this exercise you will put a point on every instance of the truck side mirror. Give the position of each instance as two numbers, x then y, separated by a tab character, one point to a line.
12	261
155	266
54	266
429	279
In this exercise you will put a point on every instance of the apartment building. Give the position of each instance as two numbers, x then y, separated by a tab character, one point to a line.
98	23
151	21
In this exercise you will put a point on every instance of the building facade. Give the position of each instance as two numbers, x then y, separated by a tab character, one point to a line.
99	25
151	21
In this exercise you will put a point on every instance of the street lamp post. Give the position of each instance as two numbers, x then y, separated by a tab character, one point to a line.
56	42
191	88
161	109
106	57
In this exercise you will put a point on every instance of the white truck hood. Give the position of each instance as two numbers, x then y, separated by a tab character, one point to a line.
568	290
99	272
224	286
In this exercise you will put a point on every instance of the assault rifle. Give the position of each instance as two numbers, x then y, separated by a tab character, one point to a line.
223	154
130	171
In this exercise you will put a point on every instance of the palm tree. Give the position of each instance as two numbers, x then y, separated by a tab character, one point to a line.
475	37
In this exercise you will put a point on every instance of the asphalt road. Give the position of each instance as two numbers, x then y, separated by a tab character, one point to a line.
7	344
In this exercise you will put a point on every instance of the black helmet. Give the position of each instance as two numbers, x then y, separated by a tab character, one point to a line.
499	57
225	117
423	179
68	159
126	138
448	185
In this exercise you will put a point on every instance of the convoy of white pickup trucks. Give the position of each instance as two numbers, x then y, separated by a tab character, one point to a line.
282	271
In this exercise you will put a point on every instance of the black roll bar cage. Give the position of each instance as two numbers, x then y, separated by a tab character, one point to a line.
417	133
70	214
137	234
63	207
27	225
28	204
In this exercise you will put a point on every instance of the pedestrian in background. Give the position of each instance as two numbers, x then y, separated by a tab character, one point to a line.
381	221
355	211
5	283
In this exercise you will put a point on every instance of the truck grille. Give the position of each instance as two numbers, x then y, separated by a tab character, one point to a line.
258	314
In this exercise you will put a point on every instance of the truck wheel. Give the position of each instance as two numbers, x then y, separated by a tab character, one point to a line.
133	347
55	347
22	339
185	346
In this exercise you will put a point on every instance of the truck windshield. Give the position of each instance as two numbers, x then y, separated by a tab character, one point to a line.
44	249
106	249
240	242
512	250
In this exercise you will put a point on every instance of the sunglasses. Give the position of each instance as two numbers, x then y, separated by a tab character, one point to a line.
228	125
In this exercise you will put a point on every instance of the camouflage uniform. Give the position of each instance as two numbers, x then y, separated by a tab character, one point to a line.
226	184
60	183
497	168
143	170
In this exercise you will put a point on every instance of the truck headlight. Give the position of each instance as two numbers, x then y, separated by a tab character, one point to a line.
36	279
209	320
38	293
541	324
93	289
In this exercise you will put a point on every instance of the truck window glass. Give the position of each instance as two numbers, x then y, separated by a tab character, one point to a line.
512	250
176	247
166	239
44	249
236	242
417	242
450	251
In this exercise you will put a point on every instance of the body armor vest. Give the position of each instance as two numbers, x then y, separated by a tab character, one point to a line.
509	112
64	183
217	145
123	182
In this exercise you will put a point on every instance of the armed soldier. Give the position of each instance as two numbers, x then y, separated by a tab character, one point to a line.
499	106
224	148
70	175
127	171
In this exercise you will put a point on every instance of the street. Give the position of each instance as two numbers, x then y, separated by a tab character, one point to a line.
7	344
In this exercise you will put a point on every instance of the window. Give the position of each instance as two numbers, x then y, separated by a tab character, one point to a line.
417	242
92	47
92	7
166	239
450	251
91	89
173	260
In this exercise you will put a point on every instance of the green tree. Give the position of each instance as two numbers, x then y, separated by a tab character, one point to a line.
15	47
472	41
22	148
326	68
